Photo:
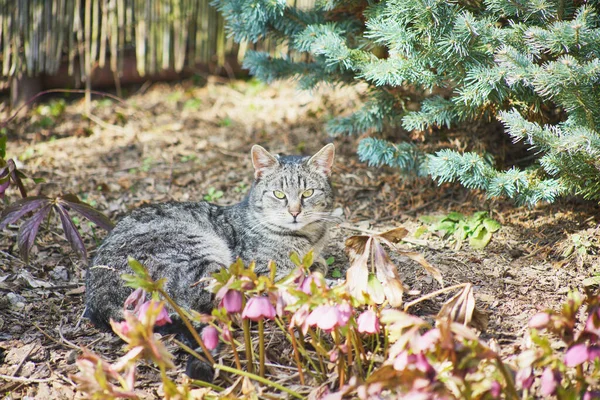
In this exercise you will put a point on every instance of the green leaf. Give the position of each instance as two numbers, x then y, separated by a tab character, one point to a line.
476	218
420	231
454	216
429	219
375	289
308	259
295	258
491	225
336	273
445	226
137	268
330	260
3	139
480	238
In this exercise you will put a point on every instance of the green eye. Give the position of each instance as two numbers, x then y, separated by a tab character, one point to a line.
278	194
308	193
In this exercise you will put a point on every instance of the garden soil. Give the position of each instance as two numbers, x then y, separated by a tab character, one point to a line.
187	140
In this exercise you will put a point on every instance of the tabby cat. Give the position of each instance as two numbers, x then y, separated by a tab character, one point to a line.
288	208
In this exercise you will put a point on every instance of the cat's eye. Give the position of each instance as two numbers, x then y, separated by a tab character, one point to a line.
278	194
307	193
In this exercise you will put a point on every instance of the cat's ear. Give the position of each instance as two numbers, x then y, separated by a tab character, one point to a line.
262	160
323	160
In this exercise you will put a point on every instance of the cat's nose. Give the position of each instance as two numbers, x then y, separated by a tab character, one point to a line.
295	213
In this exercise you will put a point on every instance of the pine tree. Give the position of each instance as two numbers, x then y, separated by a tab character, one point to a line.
533	65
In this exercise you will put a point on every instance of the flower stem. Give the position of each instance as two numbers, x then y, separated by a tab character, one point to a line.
248	341
188	325
259	379
297	356
238	364
261	347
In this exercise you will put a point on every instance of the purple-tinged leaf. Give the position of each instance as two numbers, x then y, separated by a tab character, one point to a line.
21	207
29	230
15	174
71	232
87	211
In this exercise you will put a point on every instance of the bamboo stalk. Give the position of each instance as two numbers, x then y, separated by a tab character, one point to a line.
88	62
104	29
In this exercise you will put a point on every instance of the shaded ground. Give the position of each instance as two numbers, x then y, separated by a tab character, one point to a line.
180	141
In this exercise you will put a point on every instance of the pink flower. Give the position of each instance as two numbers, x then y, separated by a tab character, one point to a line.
428	340
368	322
226	333
495	389
402	360
593	353
306	284
525	378
122	328
576	355
300	318
591	395
423	365
135	299
232	301
258	308
210	337
549	381
325	317
162	317
539	320
346	312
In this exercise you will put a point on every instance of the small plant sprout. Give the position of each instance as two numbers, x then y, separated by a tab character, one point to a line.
478	228
213	194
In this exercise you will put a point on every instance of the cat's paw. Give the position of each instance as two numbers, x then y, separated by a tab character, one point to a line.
320	265
199	370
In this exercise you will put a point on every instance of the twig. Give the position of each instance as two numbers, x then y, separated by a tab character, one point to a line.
16	371
66	344
105	125
71	344
433	294
25	380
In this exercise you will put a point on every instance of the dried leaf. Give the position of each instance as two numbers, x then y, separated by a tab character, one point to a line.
394	235
357	276
460	307
355	246
375	290
71	232
393	290
430	269
384	267
87	211
29	230
16	175
21	207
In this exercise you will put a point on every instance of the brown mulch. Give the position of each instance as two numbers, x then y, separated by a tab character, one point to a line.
177	141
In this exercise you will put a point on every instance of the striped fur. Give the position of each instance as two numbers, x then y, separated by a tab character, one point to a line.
184	242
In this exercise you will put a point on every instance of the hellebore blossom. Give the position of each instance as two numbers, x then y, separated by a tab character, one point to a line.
163	316
368	322
549	381
232	301
257	308
525	378
539	320
576	355
326	317
210	337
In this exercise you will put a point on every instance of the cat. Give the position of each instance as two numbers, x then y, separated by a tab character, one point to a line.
288	208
